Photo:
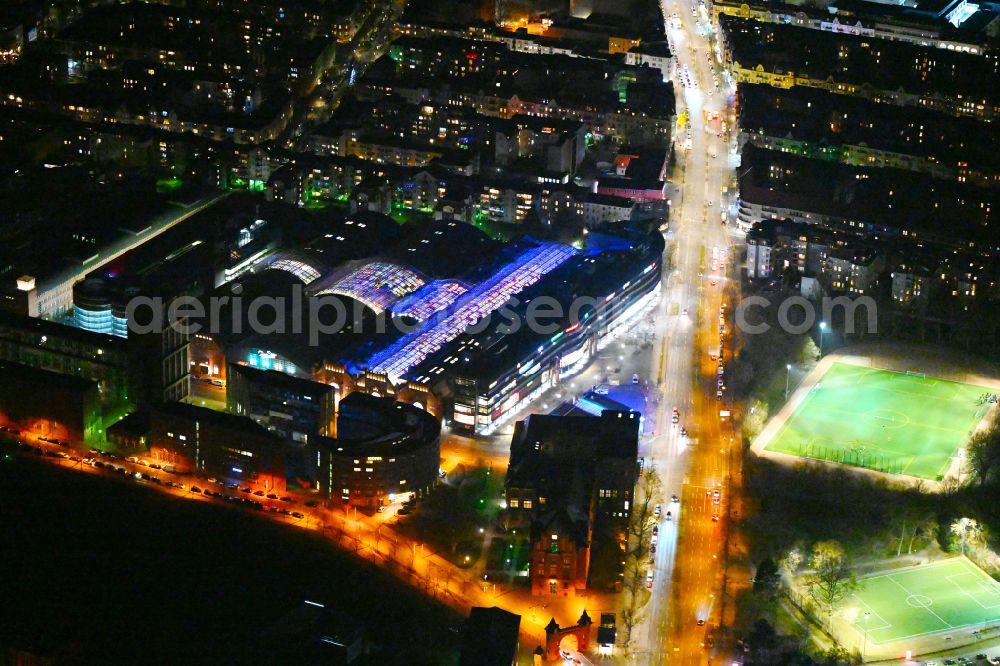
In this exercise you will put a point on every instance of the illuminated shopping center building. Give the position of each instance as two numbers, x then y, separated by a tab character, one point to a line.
457	355
491	372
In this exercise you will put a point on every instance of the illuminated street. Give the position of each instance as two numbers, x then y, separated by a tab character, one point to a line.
686	607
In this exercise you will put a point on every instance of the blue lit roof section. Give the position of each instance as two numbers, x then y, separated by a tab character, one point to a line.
378	284
410	350
430	298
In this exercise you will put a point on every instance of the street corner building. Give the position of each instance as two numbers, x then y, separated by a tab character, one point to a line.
571	483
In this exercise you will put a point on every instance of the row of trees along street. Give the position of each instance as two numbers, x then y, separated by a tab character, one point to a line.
638	536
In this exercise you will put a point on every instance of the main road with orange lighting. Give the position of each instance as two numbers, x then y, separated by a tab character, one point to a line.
698	456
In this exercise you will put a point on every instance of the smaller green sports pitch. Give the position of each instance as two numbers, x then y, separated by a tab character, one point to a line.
893	422
920	601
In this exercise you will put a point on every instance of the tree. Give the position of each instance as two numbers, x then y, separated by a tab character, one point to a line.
925	532
767	579
638	534
967	532
634	600
983	453
838	655
832	578
641	521
792	561
809	352
762	638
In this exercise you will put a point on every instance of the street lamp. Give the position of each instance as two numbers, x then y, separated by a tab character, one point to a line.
788	372
822	332
865	648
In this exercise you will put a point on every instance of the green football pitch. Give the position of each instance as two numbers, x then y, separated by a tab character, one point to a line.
888	421
928	599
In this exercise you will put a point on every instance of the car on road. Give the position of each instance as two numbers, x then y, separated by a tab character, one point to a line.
195	489
635	379
656	510
701	622
674	499
296	514
718	394
716	496
715	517
684	432
675	416
684	312
649	579
670	516
272	496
